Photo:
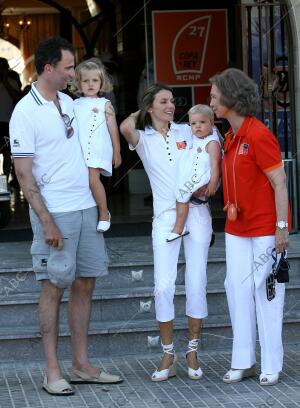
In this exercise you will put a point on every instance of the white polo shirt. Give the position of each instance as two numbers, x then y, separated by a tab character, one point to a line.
160	158
37	130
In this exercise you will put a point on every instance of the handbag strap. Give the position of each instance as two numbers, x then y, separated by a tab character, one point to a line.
233	169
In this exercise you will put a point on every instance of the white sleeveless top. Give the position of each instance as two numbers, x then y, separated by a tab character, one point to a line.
194	168
94	136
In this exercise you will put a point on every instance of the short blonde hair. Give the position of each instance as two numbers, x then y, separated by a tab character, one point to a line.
91	65
204	110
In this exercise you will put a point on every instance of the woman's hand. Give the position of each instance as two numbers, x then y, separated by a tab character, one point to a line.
281	239
128	129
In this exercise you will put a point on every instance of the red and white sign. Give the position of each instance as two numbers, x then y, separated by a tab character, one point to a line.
189	46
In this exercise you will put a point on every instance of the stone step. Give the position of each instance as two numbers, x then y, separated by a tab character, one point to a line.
115	338
123	305
123	275
126	255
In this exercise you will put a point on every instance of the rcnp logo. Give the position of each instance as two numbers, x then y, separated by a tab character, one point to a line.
189	48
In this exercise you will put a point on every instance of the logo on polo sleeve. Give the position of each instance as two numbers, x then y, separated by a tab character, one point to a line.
16	143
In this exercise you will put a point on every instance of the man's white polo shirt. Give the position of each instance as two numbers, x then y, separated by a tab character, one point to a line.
160	159
37	130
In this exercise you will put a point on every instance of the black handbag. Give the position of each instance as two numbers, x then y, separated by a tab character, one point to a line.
282	269
280	273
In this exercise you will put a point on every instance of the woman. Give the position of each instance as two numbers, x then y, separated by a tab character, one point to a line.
256	202
159	143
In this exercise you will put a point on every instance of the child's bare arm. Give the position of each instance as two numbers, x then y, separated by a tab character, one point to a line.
214	151
114	133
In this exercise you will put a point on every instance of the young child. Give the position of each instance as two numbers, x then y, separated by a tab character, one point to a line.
98	131
199	165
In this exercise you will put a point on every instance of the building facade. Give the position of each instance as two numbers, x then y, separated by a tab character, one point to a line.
181	43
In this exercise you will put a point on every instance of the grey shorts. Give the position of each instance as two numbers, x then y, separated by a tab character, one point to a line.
84	250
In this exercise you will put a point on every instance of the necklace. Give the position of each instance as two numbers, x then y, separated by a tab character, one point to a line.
164	131
232	209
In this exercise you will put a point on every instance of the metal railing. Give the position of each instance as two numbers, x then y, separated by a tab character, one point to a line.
291	179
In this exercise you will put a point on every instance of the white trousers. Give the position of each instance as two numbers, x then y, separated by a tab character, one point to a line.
249	263
196	246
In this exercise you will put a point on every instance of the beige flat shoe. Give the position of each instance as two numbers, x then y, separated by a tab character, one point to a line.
103	378
59	388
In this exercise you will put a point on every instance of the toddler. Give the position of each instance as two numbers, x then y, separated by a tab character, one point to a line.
98	131
199	165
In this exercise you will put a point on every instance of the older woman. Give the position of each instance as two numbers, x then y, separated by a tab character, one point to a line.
159	143
256	202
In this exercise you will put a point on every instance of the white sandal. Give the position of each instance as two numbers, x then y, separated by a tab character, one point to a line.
268	379
193	347
104	225
168	372
237	375
172	236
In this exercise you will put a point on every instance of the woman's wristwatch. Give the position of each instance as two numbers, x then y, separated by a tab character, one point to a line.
282	224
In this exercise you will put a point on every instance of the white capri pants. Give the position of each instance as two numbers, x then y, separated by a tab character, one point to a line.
196	246
249	262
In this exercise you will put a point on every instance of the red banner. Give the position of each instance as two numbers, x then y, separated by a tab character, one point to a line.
189	46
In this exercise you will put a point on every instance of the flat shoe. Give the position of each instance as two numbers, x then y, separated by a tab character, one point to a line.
268	379
237	375
60	387
172	236
102	378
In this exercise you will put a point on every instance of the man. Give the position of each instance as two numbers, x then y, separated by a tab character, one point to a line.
66	249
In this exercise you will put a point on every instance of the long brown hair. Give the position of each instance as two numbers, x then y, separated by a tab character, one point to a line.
143	119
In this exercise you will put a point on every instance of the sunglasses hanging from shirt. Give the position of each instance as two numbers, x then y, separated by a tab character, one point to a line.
280	273
68	124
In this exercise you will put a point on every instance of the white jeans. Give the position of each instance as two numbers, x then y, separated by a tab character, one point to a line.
249	262
196	246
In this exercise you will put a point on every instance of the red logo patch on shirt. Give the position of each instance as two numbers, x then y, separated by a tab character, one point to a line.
181	145
244	149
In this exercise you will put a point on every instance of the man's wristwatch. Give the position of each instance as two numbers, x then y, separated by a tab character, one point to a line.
282	224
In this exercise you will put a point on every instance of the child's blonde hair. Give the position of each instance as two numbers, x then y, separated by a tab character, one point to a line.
204	110
91	65
207	111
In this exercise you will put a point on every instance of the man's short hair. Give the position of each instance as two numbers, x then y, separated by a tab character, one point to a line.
50	52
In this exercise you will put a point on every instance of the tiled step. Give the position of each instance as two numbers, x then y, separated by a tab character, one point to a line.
135	304
123	275
116	338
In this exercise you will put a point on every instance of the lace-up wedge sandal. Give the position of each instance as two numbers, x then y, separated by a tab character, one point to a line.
193	347
168	372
